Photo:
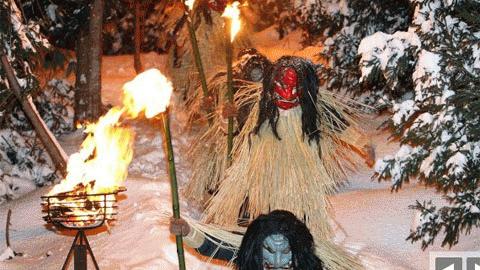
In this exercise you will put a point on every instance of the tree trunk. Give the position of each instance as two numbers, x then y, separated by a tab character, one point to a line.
138	36
81	82
48	140
94	105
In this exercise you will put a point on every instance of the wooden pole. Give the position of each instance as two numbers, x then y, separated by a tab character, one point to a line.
59	157
137	62
174	187
198	58
229	58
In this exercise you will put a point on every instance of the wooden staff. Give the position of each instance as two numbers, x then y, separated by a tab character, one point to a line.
174	187
198	57
229	58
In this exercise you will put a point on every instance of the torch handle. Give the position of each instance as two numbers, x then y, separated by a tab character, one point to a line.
229	58
198	62
174	187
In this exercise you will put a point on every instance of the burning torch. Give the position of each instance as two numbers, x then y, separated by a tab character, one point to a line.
232	27
159	90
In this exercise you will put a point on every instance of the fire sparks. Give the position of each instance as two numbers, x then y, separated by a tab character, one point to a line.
232	12
101	165
189	4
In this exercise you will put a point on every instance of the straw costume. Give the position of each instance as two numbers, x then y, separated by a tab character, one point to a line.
209	150
292	153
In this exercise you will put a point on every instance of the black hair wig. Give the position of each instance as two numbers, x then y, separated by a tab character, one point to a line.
250	255
249	60
308	84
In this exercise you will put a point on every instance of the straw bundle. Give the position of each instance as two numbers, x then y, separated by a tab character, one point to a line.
209	151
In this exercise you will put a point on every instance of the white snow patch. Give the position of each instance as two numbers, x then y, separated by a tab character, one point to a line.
83	78
457	162
381	165
426	74
7	254
428	64
474	209
427	164
385	50
403	111
51	12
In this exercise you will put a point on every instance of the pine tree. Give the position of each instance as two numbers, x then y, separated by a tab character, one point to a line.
436	66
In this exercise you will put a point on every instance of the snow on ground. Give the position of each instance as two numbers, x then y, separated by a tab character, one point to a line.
372	221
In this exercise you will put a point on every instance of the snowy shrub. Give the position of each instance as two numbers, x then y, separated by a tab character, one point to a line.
20	42
24	162
23	157
55	105
438	123
388	60
60	21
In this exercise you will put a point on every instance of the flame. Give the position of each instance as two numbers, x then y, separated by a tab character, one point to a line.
150	92
189	4
101	164
232	12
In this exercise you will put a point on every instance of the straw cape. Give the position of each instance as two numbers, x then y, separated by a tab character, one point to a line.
267	173
208	153
282	159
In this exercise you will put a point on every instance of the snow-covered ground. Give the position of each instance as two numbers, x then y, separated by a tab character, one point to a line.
373	221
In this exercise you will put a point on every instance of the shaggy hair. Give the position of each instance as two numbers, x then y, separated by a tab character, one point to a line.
250	255
308	85
250	59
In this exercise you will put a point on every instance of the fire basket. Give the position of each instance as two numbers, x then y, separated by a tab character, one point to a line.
80	212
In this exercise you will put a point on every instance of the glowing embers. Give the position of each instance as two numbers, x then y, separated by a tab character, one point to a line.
79	210
99	167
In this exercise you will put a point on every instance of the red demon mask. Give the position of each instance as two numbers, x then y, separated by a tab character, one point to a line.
287	95
217	5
